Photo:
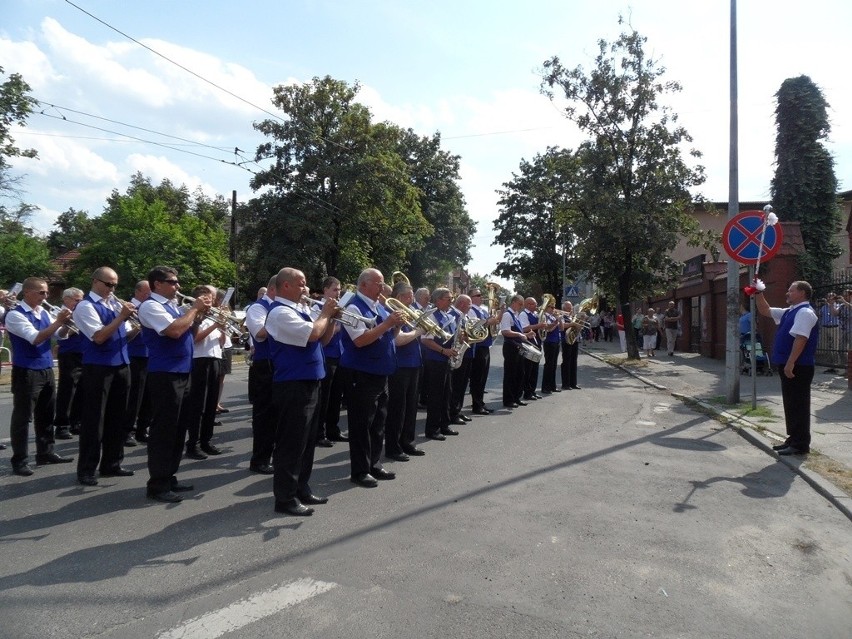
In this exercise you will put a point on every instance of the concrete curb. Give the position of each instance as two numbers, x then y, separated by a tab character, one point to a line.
753	434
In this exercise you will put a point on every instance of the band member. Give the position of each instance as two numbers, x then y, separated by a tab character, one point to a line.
460	376
167	331
529	323
226	363
421	302
551	351
70	357
296	352
793	353
199	414
436	373
570	352
331	388
106	378
481	355
402	387
137	418
263	416
33	383
369	355
513	337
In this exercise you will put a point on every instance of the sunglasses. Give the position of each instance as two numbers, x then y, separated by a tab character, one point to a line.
108	284
172	282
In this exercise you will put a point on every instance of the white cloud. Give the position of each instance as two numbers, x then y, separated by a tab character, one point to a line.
60	155
158	168
28	60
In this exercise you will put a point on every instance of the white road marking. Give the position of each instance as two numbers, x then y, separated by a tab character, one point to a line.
245	611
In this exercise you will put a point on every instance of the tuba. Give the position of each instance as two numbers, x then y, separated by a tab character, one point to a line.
546	300
417	319
459	345
493	306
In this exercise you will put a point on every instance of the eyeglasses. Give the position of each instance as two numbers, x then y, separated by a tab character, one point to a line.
172	282
108	284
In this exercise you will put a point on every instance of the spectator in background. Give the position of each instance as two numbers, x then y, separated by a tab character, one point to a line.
649	332
671	322
622	336
607	323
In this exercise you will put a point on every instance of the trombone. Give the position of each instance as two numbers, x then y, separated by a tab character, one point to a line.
347	318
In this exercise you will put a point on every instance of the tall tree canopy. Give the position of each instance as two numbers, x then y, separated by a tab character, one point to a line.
71	231
15	106
162	224
22	253
804	187
631	202
342	191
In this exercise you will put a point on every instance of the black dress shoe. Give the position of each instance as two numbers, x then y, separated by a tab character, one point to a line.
780	446
210	449
575	387
482	411
87	480
195	453
63	433
142	438
458	421
52	458
449	431
436	436
2	446
182	488
365	479
74	429
381	473
293	507
789	450
414	451
521	403
557	390
465	418
165	496
263	469
129	441
325	443
23	470
511	405
340	437
313	500
222	411
400	457
537	396
117	471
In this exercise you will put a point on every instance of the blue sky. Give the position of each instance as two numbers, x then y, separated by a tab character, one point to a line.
466	69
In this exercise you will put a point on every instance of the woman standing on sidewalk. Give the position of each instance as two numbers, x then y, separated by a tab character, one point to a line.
650	328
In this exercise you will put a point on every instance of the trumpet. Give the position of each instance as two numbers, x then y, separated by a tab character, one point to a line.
133	320
347	318
53	312
417	319
227	322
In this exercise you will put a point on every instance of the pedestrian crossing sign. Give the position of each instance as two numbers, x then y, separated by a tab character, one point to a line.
572	291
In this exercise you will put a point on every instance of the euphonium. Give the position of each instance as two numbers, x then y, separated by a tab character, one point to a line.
459	345
416	319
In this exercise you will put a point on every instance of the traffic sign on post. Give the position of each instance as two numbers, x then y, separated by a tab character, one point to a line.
748	240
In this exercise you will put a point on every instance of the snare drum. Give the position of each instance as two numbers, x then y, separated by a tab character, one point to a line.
531	352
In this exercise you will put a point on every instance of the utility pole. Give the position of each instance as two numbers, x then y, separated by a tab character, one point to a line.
233	243
732	353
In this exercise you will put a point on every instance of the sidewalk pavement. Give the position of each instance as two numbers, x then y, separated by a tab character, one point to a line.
690	376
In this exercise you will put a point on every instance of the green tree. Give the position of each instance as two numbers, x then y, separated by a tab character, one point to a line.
15	106
804	187
632	198
140	230
72	230
23	253
338	189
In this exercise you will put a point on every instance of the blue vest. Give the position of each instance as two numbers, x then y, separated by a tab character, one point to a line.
165	354
488	341
261	349
112	352
446	321
136	347
378	358
784	341
293	363
334	349
408	356
553	337
25	354
71	344
533	319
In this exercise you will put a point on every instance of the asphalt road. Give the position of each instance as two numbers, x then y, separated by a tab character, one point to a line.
613	511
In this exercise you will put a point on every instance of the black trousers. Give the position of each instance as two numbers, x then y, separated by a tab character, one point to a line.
551	356
295	437
367	406
796	396
570	352
436	377
138	415
459	379
479	376
263	413
68	395
513	374
331	397
102	431
530	375
33	397
200	411
402	410
169	393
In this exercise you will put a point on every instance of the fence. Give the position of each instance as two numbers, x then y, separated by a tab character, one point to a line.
835	330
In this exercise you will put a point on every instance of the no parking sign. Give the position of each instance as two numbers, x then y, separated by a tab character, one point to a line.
749	240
